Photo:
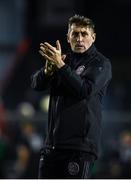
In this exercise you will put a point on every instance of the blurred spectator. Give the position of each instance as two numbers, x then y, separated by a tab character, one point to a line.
26	109
125	146
19	167
3	152
31	137
115	167
125	153
3	117
3	138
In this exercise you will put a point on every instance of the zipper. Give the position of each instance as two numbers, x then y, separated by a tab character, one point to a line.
55	109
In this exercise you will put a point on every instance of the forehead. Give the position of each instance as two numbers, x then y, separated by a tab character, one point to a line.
79	28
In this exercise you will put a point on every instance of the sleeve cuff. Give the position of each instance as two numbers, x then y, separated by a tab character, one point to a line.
63	69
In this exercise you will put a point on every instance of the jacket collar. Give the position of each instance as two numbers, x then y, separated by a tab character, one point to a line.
76	59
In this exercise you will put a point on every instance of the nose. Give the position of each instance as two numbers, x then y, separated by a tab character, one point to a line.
79	37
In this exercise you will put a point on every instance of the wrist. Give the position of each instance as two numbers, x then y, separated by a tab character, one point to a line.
60	65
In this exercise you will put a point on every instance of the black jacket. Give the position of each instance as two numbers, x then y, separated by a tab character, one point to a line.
76	91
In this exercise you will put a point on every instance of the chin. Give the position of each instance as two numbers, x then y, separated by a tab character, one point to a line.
79	51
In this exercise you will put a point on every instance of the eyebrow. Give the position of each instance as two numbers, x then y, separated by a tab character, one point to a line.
76	32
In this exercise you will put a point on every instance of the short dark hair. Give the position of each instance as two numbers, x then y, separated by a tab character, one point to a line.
81	21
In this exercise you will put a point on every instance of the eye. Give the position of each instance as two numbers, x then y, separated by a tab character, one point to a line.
84	34
75	34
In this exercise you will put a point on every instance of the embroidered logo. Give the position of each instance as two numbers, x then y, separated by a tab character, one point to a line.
73	168
100	68
80	69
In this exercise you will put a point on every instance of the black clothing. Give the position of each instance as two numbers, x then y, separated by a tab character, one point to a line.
76	92
65	164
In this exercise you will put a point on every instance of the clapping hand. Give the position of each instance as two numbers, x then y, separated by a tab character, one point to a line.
52	55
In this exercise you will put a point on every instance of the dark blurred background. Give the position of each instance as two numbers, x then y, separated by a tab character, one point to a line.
23	112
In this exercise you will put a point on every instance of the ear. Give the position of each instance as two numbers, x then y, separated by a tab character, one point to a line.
67	35
94	37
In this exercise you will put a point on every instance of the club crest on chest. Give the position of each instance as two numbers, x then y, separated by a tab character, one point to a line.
80	69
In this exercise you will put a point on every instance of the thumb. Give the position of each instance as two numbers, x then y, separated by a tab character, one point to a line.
58	46
63	57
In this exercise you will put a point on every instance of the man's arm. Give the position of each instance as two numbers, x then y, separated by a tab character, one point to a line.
42	78
94	80
41	81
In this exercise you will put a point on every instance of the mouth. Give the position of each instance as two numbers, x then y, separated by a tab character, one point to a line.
79	46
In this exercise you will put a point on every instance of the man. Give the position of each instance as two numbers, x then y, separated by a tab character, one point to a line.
77	83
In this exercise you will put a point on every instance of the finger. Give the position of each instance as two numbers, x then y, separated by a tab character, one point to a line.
41	44
63	57
58	46
46	64
49	46
49	68
51	63
42	49
41	52
47	51
47	57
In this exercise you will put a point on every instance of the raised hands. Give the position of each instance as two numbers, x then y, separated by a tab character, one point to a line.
52	54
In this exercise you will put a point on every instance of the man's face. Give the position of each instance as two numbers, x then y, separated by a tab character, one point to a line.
80	38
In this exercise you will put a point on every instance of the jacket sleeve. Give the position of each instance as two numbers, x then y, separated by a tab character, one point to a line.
95	78
39	81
